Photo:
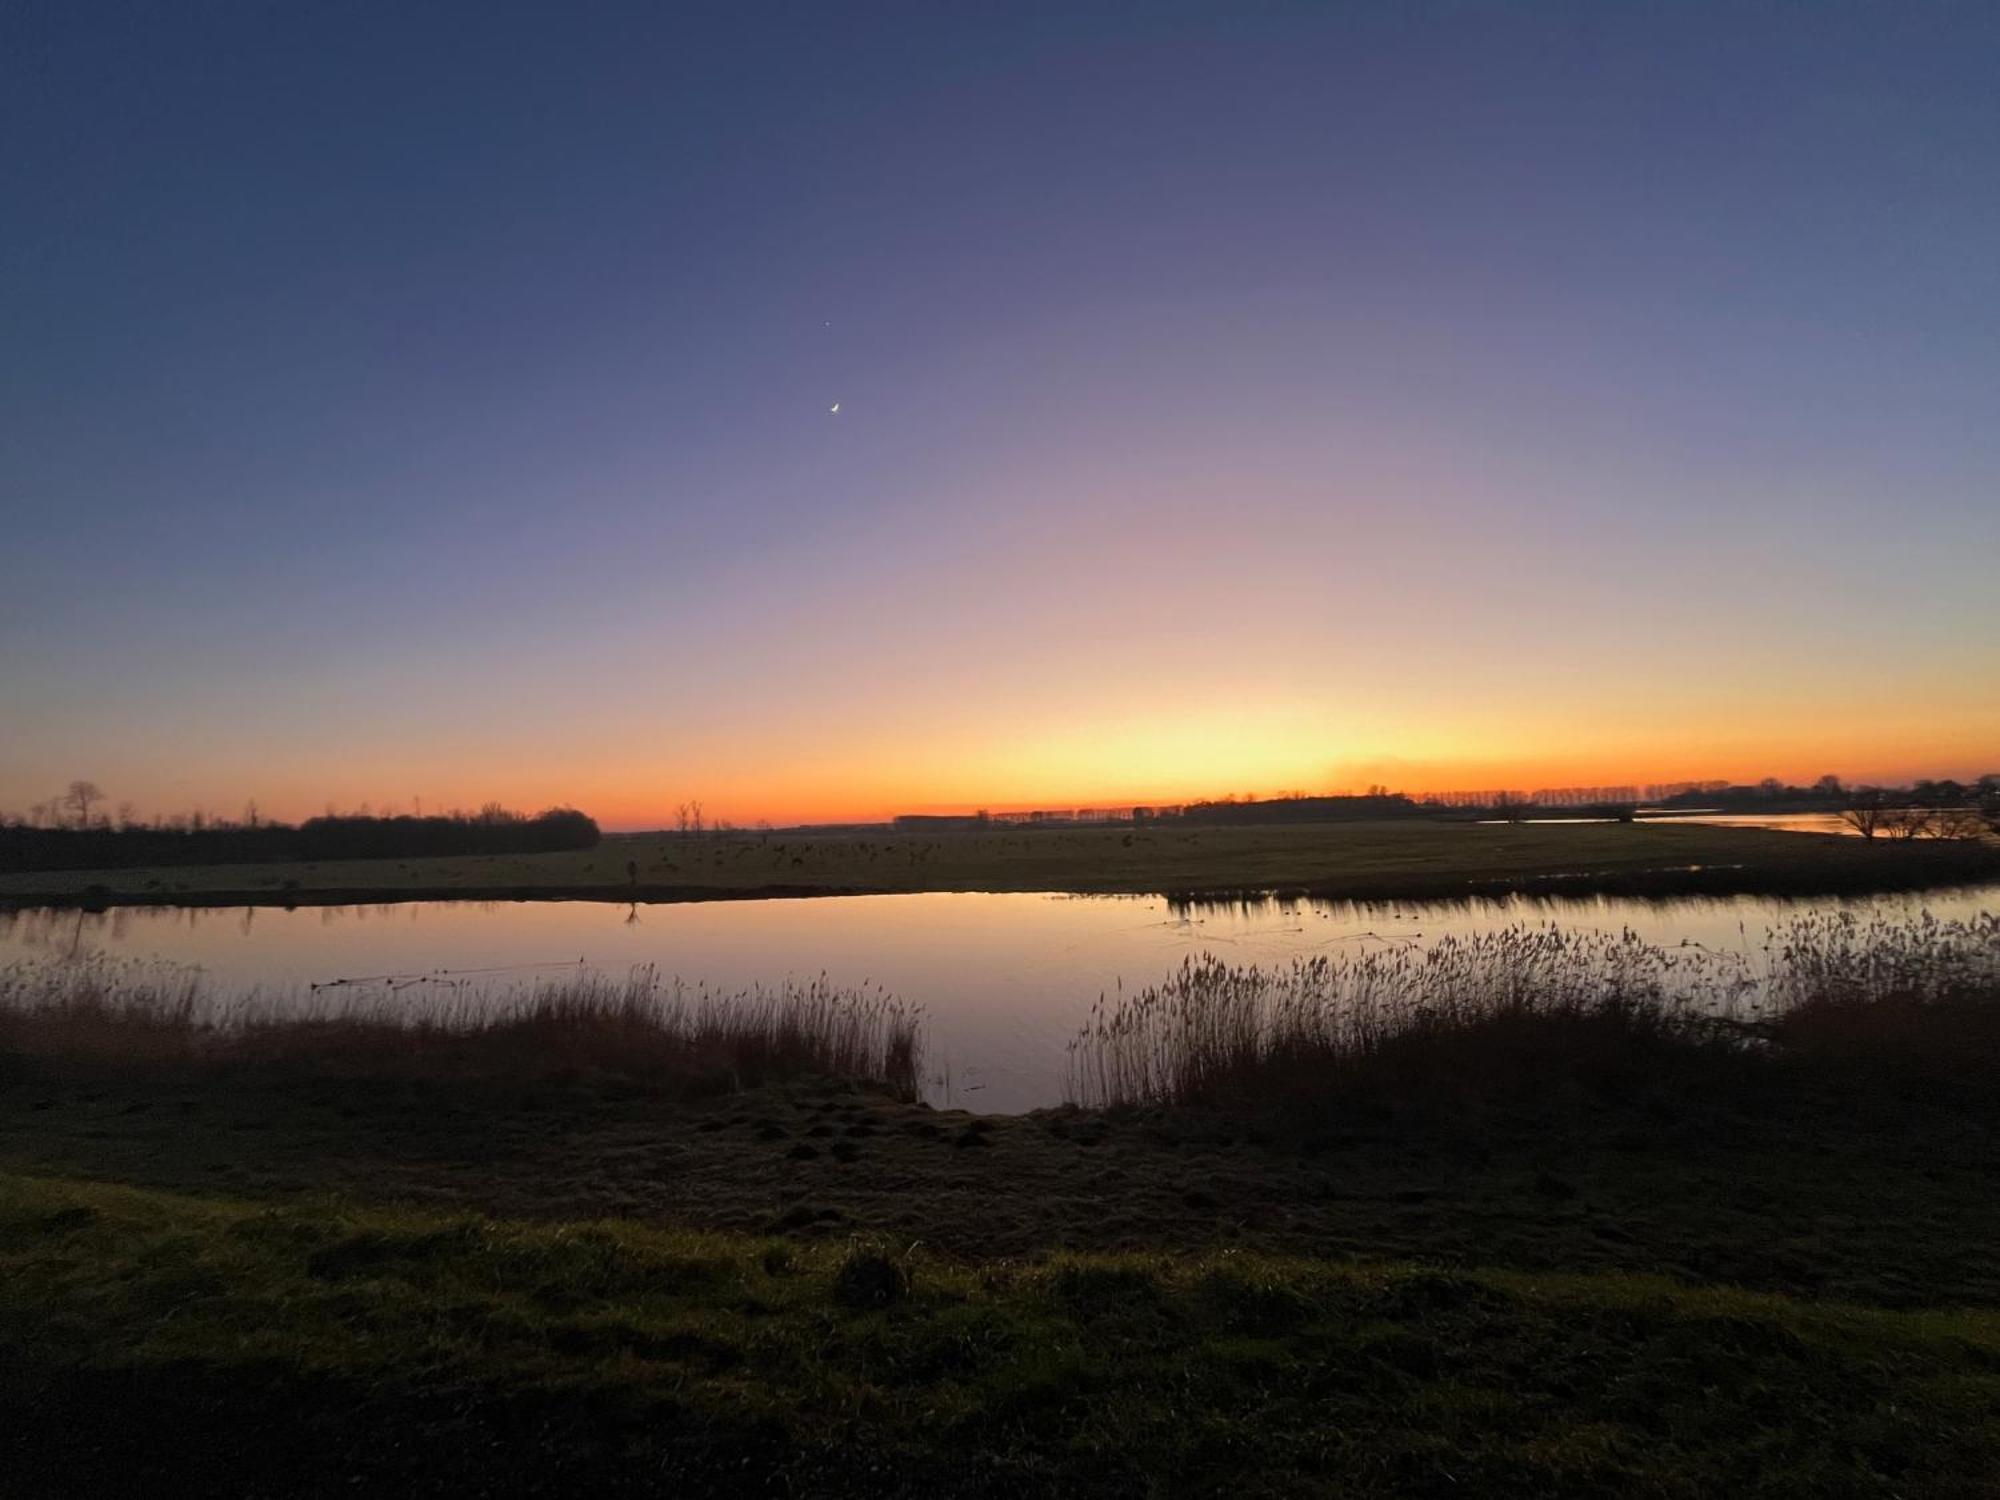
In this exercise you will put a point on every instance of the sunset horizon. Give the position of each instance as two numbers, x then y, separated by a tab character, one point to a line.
618	813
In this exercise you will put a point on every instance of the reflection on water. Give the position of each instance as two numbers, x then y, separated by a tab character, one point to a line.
1004	979
1805	822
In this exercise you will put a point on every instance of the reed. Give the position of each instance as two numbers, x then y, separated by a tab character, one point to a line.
639	1027
1526	1004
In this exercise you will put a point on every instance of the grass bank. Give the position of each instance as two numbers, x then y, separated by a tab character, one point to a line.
216	1346
1400	859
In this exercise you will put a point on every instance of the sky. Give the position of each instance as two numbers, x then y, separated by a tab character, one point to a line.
435	401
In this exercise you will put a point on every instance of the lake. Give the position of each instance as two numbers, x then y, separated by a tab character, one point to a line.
1005	979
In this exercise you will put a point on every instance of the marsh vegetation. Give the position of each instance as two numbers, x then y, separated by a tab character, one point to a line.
642	1029
1526	1005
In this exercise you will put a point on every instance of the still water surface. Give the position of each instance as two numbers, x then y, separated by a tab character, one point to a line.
1005	980
1806	822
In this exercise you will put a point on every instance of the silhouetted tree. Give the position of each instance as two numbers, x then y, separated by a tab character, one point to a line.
1908	822
1867	811
1957	823
80	796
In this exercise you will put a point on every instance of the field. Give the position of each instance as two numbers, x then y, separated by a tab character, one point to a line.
214	1346
249	1283
1404	858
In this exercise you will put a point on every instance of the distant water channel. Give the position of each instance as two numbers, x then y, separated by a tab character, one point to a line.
1807	822
1005	980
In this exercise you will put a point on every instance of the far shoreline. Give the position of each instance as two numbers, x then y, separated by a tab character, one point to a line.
1934	869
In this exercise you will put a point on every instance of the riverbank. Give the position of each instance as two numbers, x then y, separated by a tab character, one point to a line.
1390	860
249	1283
1867	1196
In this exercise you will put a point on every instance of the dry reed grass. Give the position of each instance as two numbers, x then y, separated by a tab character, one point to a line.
639	1027
1524	1005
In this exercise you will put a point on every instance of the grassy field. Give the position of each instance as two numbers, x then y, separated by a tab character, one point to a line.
206	1345
272	1281
1404	858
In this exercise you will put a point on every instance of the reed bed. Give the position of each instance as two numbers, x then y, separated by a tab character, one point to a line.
638	1027
1525	1004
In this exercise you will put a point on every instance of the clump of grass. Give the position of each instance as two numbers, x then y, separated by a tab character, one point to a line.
640	1027
870	1277
1516	1005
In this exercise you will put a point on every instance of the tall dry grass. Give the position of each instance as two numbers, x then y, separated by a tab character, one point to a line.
639	1027
1527	1002
1916	998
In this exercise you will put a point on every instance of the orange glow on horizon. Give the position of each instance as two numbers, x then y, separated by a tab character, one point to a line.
854	800
1109	739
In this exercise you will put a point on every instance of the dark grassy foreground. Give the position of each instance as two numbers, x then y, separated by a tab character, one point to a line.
1397	859
155	1342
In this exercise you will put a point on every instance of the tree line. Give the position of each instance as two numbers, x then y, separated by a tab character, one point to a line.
1297	807
73	832
1927	810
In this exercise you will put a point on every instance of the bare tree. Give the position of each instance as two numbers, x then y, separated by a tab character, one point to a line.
1909	822
1959	823
80	796
1867	812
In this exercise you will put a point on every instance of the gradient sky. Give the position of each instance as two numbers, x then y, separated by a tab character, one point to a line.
430	400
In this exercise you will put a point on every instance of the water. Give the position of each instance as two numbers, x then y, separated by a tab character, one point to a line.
1005	979
1806	822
